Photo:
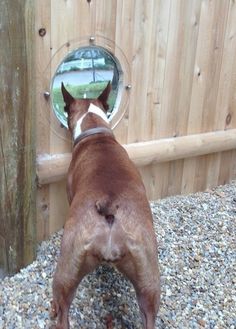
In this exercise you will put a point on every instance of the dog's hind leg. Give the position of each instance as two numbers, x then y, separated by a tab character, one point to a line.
143	272
73	265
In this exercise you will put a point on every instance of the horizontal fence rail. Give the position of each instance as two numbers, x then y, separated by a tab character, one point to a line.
53	168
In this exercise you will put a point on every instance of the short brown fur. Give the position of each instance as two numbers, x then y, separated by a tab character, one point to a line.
109	218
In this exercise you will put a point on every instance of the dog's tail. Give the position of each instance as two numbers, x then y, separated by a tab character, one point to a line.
106	207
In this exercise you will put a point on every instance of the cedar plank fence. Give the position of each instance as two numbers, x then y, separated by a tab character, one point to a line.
180	123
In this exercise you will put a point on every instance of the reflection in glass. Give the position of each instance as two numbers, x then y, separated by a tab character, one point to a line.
85	73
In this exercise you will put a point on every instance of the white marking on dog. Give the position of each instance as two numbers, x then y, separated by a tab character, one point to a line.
93	109
96	110
77	129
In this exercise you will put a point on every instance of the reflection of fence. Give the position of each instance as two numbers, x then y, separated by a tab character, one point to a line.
82	77
80	64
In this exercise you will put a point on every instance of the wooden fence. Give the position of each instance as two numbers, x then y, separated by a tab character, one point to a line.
181	56
17	136
180	123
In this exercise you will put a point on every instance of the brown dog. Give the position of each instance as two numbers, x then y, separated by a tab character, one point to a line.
109	218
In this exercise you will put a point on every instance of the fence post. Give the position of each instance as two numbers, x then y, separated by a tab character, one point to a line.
17	136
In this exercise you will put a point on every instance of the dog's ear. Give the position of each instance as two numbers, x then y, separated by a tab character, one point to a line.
104	96
68	99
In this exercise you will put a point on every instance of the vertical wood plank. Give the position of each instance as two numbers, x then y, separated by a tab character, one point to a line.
106	19
225	117
205	82
225	167
43	77
123	39
233	167
182	44
225	99
139	113
181	52
160	32
158	174
17	139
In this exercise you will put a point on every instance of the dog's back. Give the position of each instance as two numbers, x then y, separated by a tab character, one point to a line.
103	179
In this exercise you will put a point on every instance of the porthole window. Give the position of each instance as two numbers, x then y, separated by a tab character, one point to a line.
85	72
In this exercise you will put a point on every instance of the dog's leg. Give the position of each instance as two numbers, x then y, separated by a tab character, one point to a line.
73	265
64	287
143	272
148	301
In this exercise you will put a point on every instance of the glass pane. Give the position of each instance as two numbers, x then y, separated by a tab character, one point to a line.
85	73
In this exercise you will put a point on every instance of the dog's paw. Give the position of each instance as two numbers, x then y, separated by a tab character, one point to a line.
53	326
56	326
53	311
109	320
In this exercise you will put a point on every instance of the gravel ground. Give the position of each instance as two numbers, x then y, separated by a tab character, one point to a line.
197	254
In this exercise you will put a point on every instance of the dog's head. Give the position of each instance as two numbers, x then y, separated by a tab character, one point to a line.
76	109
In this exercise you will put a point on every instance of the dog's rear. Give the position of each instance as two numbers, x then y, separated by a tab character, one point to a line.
109	218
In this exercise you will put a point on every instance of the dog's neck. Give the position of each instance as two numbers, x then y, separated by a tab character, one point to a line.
94	131
92	109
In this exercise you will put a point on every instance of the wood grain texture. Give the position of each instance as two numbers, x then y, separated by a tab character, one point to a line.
226	99
17	136
139	116
208	61
180	57
53	168
42	59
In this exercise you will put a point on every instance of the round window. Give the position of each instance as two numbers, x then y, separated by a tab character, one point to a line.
85	73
